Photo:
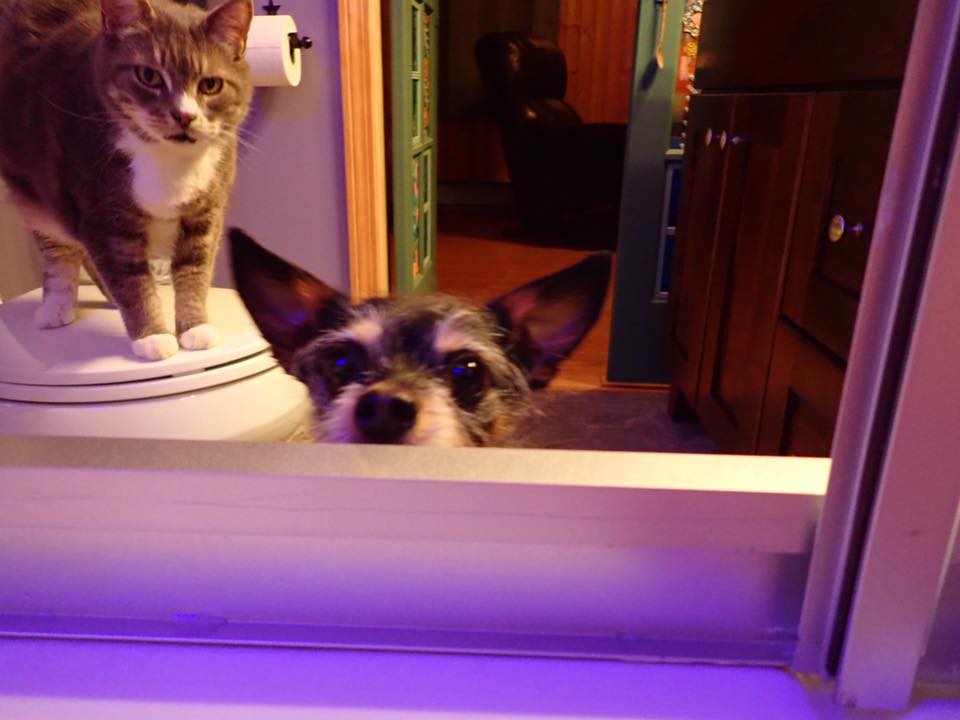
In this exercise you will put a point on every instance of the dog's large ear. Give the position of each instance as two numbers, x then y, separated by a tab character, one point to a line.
545	320
289	305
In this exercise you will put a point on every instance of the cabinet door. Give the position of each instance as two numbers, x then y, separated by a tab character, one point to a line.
703	162
843	172
803	395
764	147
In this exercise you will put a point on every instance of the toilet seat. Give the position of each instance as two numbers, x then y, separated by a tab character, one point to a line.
90	361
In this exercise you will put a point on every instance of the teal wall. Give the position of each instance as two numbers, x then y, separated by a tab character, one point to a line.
638	334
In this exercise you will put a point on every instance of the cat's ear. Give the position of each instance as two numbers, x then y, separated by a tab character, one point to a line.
289	305
546	319
229	25
120	15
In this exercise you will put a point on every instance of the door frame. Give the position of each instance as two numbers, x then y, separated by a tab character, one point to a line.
364	147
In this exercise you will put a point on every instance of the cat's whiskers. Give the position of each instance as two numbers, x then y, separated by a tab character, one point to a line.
239	130
240	135
104	117
247	145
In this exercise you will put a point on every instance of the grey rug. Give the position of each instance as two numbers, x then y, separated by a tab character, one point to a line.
602	420
610	420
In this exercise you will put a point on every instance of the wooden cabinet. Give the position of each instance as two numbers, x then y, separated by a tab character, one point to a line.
743	158
848	140
763	147
703	166
849	137
759	45
803	394
780	191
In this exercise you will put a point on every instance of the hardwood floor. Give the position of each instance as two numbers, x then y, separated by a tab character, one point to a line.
480	255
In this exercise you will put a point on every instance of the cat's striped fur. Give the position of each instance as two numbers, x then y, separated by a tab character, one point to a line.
118	142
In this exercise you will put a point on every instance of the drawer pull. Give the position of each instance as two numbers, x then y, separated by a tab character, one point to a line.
836	228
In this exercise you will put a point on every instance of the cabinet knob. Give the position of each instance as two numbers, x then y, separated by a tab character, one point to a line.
708	137
838	228
723	139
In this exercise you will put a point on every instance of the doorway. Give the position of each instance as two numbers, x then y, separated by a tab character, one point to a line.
508	195
496	205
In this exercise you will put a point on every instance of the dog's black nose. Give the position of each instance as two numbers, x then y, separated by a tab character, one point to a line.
384	418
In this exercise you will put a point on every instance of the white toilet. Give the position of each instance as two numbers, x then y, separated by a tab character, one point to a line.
83	380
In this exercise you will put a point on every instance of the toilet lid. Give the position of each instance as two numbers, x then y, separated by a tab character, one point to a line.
91	360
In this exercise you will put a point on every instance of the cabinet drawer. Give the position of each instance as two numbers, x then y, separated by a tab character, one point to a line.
802	397
746	44
848	139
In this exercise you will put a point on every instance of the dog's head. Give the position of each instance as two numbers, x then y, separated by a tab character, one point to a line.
420	369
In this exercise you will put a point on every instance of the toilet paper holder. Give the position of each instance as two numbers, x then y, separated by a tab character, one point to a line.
296	42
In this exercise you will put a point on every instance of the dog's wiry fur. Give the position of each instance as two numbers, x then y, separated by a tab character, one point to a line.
422	369
408	342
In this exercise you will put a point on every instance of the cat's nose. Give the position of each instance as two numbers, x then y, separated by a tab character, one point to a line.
384	417
183	119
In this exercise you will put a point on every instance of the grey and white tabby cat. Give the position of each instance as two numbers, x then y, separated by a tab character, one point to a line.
118	142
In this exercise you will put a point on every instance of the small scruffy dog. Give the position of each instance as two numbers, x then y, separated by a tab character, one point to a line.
418	369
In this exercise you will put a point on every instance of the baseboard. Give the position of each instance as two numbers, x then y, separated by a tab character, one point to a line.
657	387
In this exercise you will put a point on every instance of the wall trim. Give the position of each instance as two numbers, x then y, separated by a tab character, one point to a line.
361	73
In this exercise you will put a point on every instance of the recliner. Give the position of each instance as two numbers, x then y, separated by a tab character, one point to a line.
566	174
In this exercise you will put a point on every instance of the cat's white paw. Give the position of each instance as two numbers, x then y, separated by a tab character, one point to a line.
155	347
200	337
54	313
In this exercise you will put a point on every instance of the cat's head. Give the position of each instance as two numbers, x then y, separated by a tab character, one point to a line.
173	73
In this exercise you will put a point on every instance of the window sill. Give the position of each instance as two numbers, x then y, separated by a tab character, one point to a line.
609	550
73	680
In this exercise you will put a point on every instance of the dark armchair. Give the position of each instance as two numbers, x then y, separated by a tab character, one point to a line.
566	174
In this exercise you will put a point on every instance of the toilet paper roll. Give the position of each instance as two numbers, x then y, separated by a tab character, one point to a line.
269	55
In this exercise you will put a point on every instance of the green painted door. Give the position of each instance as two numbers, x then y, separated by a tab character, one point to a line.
414	37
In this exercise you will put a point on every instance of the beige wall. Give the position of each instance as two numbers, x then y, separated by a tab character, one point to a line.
290	192
20	263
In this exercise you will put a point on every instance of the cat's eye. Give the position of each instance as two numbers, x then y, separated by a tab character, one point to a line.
468	378
150	77
211	86
342	364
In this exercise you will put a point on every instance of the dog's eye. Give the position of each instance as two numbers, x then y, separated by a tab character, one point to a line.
342	364
468	379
